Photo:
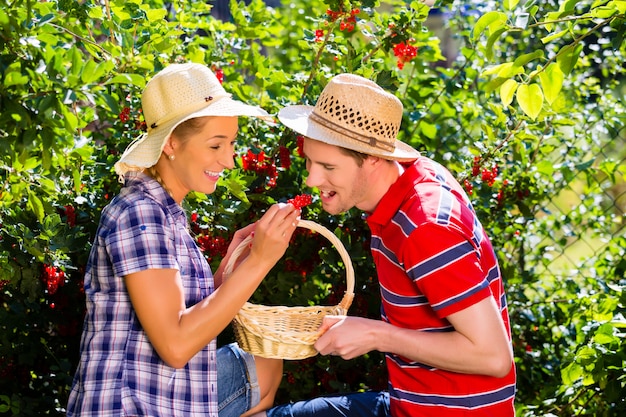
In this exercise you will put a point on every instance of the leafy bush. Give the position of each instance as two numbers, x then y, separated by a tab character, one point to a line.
530	107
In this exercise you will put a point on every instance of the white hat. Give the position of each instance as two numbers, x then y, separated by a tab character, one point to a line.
354	113
178	93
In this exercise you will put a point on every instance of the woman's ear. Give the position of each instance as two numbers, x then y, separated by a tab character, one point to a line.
169	146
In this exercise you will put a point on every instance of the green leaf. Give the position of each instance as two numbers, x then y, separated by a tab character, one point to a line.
77	61
491	40
46	158
15	78
94	50
494	84
493	69
619	25
70	119
549	19
545	167
155	15
551	81
620	5
554	36
112	103
510	70
571	373
568	56
585	354
51	225
491	20
524	59
507	91
5	403
92	72
77	180
131	79
510	4
530	99
35	205
604	339
604	12
120	13
95	12
506	70
28	163
48	185
235	185
428	129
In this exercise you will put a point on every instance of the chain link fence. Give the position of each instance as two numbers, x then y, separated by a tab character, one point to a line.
588	211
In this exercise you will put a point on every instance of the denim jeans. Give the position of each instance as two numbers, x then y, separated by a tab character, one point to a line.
360	404
237	383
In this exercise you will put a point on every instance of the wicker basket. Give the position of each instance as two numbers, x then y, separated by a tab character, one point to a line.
288	332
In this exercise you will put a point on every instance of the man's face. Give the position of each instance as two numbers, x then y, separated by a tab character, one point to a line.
340	180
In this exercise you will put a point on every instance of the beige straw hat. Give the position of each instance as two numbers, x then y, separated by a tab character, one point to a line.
354	113
178	93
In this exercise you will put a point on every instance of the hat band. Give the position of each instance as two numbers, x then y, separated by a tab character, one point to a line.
369	140
191	108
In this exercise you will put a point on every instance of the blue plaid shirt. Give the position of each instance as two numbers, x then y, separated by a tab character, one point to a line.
120	373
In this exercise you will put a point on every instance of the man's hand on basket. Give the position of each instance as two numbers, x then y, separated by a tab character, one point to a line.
346	336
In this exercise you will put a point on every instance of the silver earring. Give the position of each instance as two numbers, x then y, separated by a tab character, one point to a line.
171	157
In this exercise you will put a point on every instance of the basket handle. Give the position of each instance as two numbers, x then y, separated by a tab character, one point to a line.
346	301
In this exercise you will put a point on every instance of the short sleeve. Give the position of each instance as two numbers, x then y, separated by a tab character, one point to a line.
446	268
141	239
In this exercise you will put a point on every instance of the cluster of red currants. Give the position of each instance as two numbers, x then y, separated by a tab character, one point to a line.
70	215
212	246
501	193
300	145
319	35
469	188
219	74
347	19
284	156
487	175
125	116
261	165
53	277
404	52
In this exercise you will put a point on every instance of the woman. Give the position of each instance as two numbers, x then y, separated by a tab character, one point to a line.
154	309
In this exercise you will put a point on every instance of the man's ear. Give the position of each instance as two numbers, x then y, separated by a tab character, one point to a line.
374	161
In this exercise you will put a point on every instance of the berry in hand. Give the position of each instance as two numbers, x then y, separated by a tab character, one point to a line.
301	200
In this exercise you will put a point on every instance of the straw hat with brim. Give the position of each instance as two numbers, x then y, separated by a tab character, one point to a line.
354	113
178	93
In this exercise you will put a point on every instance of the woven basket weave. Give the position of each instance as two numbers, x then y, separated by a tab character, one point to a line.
288	332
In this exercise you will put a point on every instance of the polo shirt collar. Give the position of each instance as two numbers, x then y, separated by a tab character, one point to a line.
396	195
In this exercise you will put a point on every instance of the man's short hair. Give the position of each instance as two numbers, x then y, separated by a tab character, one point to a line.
359	157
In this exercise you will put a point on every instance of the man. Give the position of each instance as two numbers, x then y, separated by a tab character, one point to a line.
444	326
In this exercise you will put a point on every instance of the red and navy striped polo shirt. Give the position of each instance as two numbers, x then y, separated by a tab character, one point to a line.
434	259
